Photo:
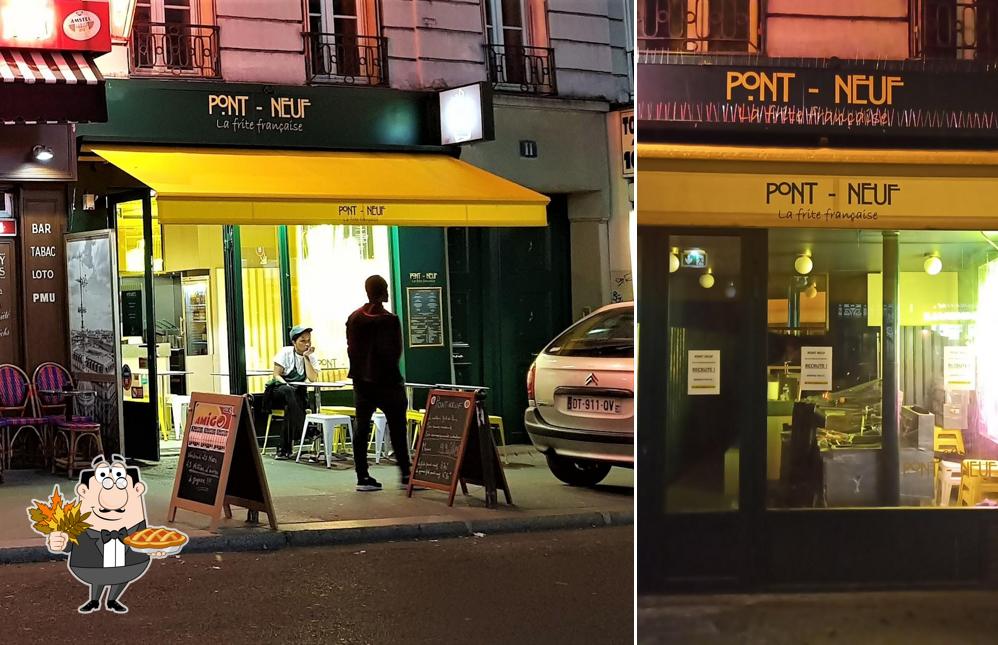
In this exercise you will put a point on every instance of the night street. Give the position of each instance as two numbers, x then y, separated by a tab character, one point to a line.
546	587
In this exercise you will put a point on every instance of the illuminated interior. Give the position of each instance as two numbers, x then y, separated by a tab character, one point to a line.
826	445
327	264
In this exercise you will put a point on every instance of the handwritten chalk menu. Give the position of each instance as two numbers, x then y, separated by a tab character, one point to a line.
455	446
219	464
444	433
425	316
8	302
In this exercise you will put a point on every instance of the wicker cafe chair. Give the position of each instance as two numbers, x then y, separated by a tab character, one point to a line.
52	407
15	415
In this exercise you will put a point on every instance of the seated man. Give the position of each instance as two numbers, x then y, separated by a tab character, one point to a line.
295	363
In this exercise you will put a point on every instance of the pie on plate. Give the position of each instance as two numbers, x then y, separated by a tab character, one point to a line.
156	538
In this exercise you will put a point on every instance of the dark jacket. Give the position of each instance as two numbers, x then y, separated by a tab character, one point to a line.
374	345
89	553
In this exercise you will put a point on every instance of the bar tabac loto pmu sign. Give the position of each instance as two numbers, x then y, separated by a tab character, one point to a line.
58	25
908	98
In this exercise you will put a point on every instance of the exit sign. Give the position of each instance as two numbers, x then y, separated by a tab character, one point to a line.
8	227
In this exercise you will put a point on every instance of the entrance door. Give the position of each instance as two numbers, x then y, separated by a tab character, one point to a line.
701	329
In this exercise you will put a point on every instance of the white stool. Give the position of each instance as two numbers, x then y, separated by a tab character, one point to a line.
380	429
179	404
328	423
949	476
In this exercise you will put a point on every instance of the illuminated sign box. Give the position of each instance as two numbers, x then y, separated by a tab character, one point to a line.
56	25
466	115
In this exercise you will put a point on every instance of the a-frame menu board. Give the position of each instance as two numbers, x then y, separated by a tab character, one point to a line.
220	465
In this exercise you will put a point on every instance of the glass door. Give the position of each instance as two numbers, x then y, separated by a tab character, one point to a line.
699	394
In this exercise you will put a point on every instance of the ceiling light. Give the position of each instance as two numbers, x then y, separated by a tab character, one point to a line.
803	264
707	280
933	265
674	261
42	153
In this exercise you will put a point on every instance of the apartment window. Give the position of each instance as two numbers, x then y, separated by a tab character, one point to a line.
956	29
699	26
518	52
168	39
344	43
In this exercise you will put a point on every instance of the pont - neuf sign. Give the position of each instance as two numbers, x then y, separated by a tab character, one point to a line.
56	25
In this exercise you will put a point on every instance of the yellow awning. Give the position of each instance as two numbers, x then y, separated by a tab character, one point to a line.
735	186
225	186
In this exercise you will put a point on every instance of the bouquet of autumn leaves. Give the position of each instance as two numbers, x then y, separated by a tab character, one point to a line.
58	516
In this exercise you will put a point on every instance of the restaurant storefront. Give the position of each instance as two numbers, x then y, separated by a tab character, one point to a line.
817	282
244	209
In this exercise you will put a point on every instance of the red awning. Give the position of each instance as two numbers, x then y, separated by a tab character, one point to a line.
50	87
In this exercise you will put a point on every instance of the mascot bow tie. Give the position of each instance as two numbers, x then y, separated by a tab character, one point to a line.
106	536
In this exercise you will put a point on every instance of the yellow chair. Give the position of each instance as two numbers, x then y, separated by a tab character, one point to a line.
266	433
497	421
414	422
948	441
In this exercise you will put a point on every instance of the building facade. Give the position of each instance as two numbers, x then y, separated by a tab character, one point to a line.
345	77
816	256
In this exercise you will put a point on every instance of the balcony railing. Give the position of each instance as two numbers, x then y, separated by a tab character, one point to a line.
347	59
698	26
173	48
955	29
519	68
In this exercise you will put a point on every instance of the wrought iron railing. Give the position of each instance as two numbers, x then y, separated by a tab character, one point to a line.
955	29
346	59
175	48
699	26
520	68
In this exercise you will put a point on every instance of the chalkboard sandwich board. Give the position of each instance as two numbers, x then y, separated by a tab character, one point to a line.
455	446
220	465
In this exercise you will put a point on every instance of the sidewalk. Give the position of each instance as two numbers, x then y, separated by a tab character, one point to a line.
316	505
948	617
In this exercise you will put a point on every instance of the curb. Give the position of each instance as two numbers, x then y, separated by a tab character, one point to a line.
320	534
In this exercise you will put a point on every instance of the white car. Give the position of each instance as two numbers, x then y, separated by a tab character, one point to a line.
581	392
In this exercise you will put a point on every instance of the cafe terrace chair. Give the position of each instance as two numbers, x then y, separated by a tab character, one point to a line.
948	477
52	407
329	423
980	479
16	410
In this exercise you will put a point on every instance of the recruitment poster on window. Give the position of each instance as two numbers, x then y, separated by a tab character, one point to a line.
959	369
704	375
816	369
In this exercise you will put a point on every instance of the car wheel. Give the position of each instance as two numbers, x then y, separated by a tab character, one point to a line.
576	472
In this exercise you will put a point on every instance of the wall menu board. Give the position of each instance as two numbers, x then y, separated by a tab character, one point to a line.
455	446
425	316
8	302
218	467
131	313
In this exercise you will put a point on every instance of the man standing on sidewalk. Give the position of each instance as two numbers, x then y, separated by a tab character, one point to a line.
374	345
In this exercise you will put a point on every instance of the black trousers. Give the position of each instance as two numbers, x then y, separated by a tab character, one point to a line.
292	400
392	401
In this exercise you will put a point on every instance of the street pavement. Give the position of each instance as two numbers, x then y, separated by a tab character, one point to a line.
949	617
316	505
551	587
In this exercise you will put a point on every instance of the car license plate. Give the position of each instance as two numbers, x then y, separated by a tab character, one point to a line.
593	404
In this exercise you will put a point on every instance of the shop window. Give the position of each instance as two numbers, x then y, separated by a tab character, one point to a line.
263	321
329	265
518	48
132	244
345	43
956	29
699	26
832	440
174	37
